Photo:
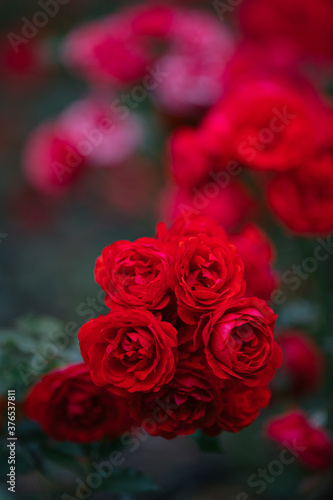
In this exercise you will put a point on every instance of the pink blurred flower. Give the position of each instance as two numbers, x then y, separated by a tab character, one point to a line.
195	61
51	162
104	136
107	51
311	444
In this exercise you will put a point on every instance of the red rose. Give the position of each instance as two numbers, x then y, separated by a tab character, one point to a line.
134	274
129	350
311	444
240	406
238	341
256	251
265	124
303	362
70	407
190	401
208	272
303	199
186	226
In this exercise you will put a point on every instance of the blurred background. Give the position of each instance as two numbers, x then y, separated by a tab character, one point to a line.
110	119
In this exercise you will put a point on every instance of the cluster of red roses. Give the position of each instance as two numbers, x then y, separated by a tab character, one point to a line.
182	345
281	130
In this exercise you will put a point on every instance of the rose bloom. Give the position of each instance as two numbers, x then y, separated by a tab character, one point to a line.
229	205
184	227
107	51
69	407
241	405
207	272
50	161
306	24
311	444
100	134
129	350
238	341
190	401
303	199
265	124
257	253
135	274
303	362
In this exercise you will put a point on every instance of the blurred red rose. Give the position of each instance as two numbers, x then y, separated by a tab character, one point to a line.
264	124
135	274
252	58
69	407
312	444
306	24
23	65
107	51
257	253
303	199
303	362
238	341
51	162
129	350
152	19
207	272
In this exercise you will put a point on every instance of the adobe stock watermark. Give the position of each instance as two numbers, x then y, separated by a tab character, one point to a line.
131	441
121	107
264	476
292	278
31	27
